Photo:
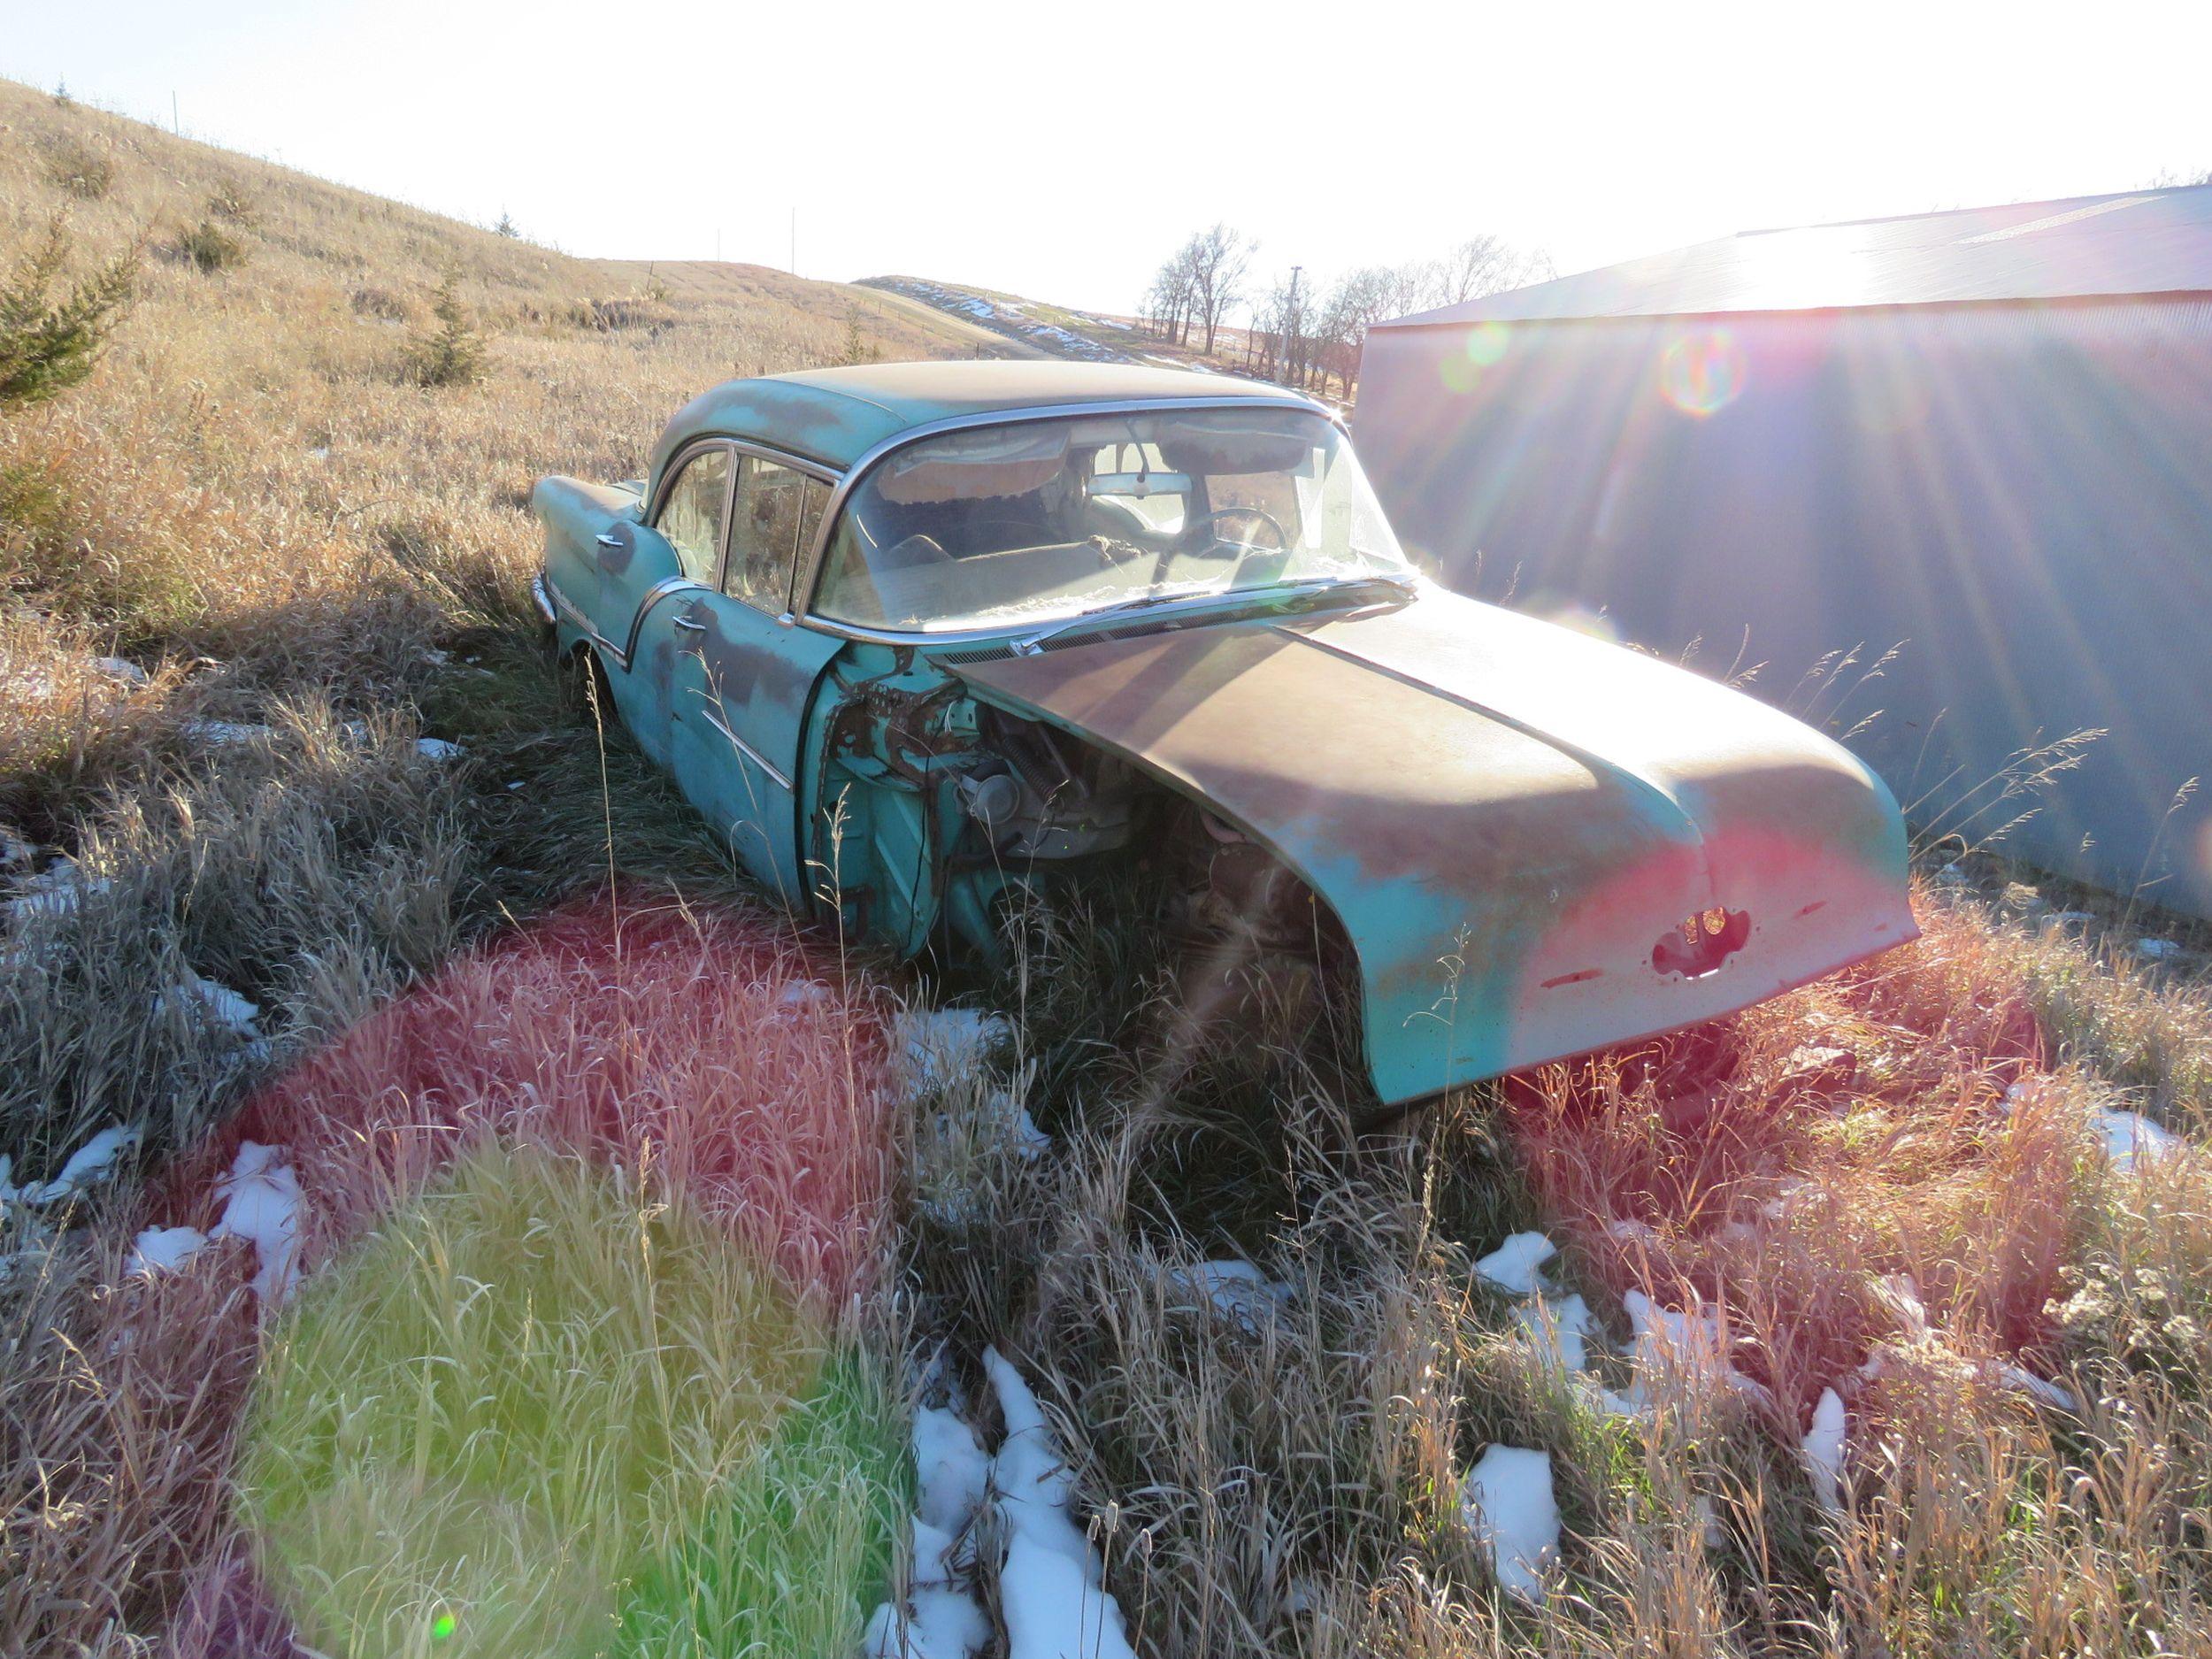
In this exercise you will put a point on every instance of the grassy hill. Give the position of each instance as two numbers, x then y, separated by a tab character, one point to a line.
630	1236
1048	330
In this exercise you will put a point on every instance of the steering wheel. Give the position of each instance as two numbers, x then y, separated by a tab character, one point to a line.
1239	550
1267	519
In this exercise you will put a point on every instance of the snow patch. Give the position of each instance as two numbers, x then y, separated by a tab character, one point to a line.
1560	1329
2040	1389
1050	1589
225	733
1513	1265
89	1163
938	1045
2131	1139
264	1206
120	668
1237	1290
437	748
1507	1502
2158	949
56	890
1824	1451
225	1007
163	1250
951	1469
935	1624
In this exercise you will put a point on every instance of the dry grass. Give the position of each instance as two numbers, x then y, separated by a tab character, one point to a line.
252	499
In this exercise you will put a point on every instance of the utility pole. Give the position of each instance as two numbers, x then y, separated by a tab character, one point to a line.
175	125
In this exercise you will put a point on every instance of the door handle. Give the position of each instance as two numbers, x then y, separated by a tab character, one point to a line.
607	538
692	626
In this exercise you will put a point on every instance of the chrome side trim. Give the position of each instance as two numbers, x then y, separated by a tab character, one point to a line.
715	719
803	589
654	595
538	598
568	613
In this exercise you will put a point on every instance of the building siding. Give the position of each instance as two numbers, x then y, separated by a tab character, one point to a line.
2017	497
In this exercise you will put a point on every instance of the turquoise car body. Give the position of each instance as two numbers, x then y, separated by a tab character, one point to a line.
1534	843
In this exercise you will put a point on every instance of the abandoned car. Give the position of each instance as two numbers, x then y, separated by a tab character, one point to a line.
921	638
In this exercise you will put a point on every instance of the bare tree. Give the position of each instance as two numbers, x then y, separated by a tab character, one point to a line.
1218	259
1487	263
1168	302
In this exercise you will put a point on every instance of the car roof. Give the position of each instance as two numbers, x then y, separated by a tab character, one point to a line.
835	416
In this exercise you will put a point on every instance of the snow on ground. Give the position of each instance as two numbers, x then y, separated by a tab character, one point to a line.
933	1047
1513	1265
263	1205
2131	1139
225	733
437	748
1237	1290
1823	1450
56	890
951	1469
1693	1343
1561	1330
225	1007
2038	1388
163	1250
88	1165
938	1624
1050	1589
1507	1502
1051	1598
121	669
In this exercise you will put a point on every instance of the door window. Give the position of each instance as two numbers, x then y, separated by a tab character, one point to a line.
776	513
691	518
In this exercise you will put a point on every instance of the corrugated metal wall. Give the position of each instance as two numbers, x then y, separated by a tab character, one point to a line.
2020	496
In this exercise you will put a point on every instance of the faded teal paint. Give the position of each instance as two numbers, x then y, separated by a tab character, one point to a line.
836	416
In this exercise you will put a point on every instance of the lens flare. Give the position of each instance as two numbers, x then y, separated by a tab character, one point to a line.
1703	372
1567	613
1484	348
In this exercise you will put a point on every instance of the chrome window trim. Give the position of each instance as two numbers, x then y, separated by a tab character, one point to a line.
802	593
673	471
651	506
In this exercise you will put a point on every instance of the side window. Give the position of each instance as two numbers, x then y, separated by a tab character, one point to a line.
692	516
776	511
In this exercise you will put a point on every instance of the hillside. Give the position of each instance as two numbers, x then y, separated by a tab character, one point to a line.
445	1207
1058	331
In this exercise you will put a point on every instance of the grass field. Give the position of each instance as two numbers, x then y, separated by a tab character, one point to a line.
514	1001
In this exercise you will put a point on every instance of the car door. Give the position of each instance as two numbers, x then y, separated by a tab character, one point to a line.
746	673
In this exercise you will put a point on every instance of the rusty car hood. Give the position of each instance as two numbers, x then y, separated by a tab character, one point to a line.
1511	820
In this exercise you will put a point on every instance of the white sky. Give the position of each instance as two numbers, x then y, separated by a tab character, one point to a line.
1060	151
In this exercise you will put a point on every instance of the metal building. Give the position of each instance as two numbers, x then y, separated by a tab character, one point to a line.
1984	436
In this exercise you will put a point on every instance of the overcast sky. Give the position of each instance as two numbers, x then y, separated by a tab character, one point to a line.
1059	151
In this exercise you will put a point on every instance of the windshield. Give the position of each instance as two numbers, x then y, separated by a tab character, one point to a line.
1037	521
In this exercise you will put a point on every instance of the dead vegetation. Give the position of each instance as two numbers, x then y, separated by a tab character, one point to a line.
313	561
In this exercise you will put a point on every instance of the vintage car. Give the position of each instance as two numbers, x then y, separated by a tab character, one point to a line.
920	637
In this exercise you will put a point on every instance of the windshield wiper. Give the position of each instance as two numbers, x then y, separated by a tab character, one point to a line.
1031	645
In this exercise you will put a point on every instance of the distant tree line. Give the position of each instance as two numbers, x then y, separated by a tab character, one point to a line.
1296	332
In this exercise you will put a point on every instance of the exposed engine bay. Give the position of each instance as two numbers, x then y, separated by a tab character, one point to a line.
1014	811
